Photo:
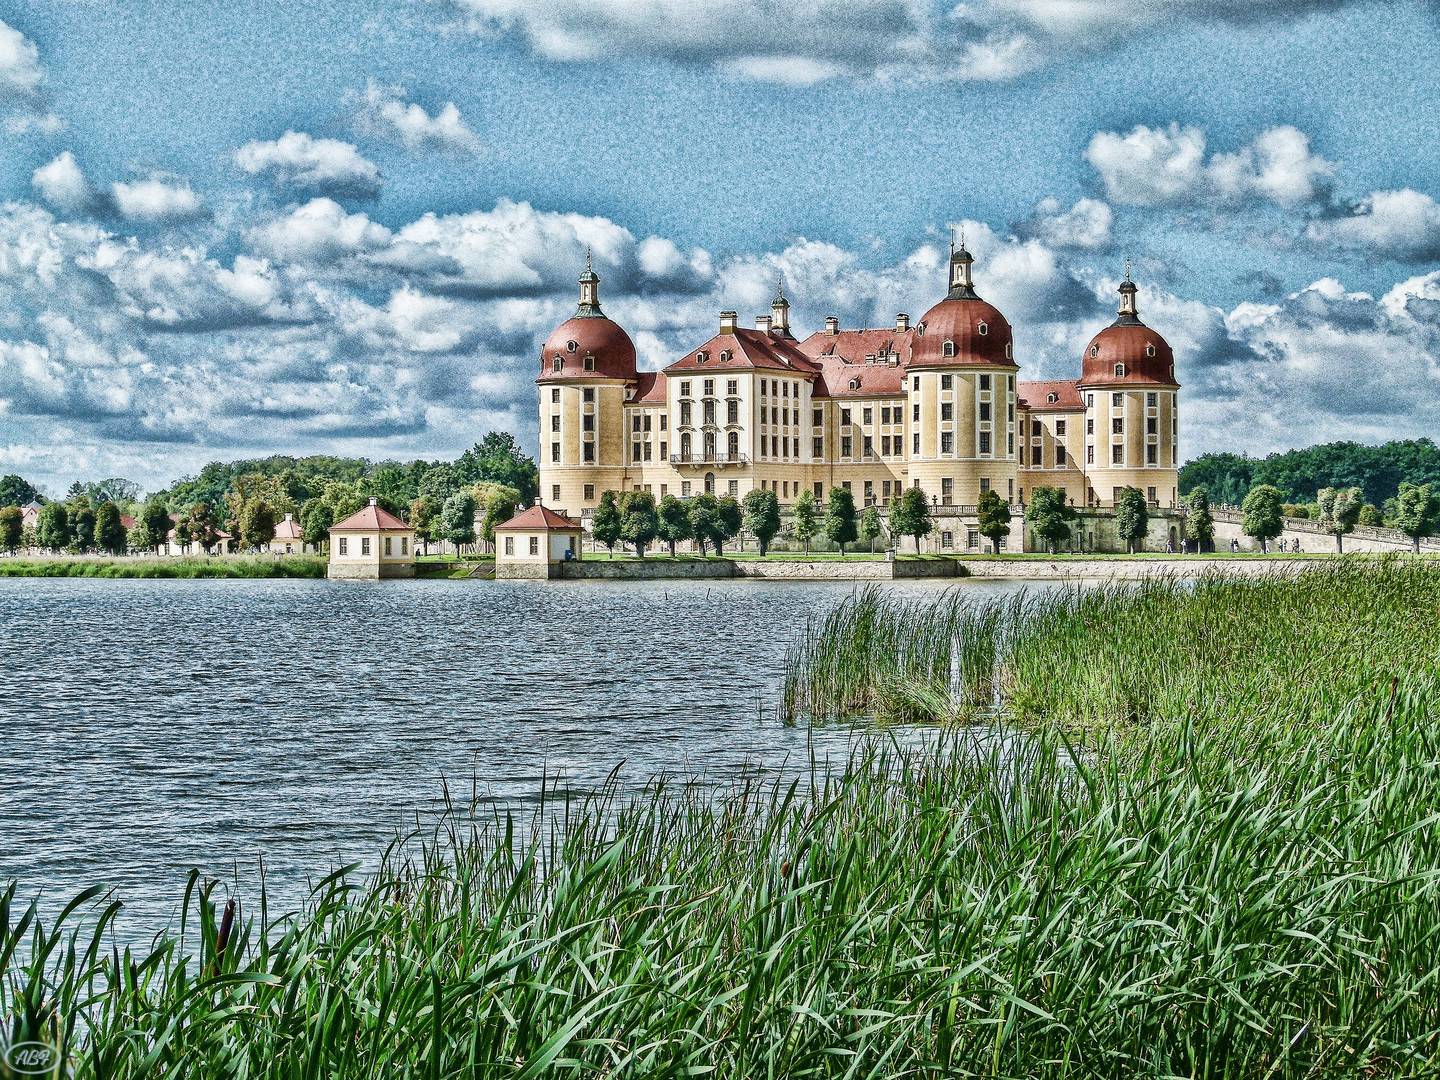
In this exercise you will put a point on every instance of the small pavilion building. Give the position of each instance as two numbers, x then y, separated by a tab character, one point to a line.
288	538
370	545
535	543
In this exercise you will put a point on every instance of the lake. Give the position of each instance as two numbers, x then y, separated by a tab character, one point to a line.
154	726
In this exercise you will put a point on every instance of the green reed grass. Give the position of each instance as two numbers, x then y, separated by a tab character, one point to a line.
285	566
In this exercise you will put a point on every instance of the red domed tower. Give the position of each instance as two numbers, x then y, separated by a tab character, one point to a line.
587	371
960	378
1131	407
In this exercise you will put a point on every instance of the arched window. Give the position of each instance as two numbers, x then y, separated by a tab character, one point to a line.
1119	371
1050	399
701	357
589	363
725	356
734	444
983	329
557	363
1009	350
709	483
1094	351
709	444
854	384
685	445
948	349
1150	349
571	346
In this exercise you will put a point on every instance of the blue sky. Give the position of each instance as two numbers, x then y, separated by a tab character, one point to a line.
301	227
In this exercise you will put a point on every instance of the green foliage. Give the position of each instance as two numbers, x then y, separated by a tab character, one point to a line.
317	515
256	525
53	529
152	524
17	491
805	518
1050	515
994	517
1263	514
498	458
729	519
1340	511
871	527
840	527
1297	510
12	528
1417	511
500	507
1370	516
1199	521
110	533
198	525
457	519
82	523
286	566
639	523
1298	474
1132	517
673	523
762	516
911	516
607	523
705	520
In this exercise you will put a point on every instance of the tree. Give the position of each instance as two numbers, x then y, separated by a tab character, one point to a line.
457	519
730	518
1132	518
1370	516
256	523
1050	515
674	522
498	457
1340	512
1263	514
704	520
840	518
870	527
639	523
12	527
993	513
438	483
82	524
53	529
153	525
17	491
607	523
110	535
198	525
316	517
805	518
912	516
762	516
1417	511
1199	521
1226	477
257	488
499	508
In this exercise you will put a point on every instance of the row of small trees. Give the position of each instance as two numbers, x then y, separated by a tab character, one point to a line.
1416	512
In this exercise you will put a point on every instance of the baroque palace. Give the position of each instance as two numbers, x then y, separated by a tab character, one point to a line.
935	404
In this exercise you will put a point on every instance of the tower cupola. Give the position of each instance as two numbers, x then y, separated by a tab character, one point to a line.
1129	313
589	292
962	284
780	312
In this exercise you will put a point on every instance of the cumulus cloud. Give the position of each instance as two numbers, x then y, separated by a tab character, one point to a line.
319	232
63	186
22	103
324	166
1402	225
382	112
157	201
1168	167
1085	225
804	41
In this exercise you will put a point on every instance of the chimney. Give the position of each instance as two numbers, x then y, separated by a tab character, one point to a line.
289	517
762	323
902	323
373	500
537	500
728	322
832	326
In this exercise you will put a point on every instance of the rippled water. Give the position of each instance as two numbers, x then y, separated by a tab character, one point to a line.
152	726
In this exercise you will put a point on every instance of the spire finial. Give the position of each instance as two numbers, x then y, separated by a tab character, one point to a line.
952	238
780	288
587	257
1127	267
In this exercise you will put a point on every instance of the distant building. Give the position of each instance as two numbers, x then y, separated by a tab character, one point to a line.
535	543
371	544
933	405
288	539
30	515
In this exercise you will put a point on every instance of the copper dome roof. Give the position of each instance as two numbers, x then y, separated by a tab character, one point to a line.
976	331
1128	351
588	345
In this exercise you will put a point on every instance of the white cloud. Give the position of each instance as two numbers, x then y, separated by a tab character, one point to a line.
1085	225
20	71
63	185
803	41
318	232
297	160
1167	167
1402	225
382	112
157	201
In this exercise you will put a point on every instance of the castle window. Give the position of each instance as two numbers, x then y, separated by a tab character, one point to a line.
1050	399
636	424
984	382
946	382
818	447
732	412
1151	458
701	357
725	356
1150	400
732	386
571	346
684	389
1117	454
1150	349
1094	351
948	349
983	329
916	384
854	384
734	444
554	451
869	416
344	546
709	387
588	395
509	545
555	422
1119	371
589	363
1059	429
555	395
845	417
589	453
589	492
534	545
557	363
1009	350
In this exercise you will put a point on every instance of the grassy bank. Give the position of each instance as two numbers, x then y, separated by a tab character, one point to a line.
284	566
1244	885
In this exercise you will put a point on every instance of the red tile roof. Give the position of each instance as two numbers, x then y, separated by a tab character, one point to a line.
371	518
649	386
1034	395
843	359
127	521
538	517
287	530
748	350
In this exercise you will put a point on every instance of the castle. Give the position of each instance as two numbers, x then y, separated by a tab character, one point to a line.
935	405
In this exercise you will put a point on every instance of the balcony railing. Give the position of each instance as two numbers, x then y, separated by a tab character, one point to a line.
708	459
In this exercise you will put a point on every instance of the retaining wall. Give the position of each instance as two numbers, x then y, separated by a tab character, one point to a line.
776	570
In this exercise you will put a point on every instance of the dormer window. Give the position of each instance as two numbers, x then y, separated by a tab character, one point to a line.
589	363
571	346
983	329
557	363
1050	399
1009	350
725	356
854	384
701	357
1119	371
948	349
1150	349
1094	351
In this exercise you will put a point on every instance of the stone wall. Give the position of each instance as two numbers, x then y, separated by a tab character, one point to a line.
1312	538
523	570
770	570
362	571
646	570
1077	567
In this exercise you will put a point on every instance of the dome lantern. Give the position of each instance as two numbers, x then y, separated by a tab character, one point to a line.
1129	313
962	285
589	292
780	312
